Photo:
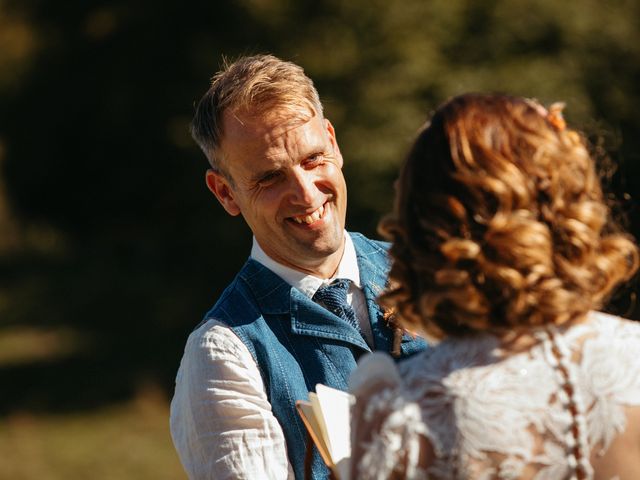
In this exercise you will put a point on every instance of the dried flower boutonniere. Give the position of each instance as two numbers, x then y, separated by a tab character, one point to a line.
389	315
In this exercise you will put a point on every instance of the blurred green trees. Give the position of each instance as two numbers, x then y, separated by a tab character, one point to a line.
109	242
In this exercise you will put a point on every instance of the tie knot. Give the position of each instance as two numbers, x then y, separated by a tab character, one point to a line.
333	294
334	298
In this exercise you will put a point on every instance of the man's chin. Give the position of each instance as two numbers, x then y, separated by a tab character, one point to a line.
323	249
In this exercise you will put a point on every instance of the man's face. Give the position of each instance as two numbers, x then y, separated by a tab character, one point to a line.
288	185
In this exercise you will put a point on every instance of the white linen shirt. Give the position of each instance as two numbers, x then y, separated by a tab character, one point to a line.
221	421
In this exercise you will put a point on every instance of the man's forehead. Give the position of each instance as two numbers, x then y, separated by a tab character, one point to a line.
254	142
271	134
270	123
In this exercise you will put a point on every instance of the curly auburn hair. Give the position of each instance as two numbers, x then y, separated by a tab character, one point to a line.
500	223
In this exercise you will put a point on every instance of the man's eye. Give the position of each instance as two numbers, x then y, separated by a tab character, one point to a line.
315	160
269	178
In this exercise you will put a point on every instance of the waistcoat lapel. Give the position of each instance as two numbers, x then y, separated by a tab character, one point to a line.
276	297
309	318
373	264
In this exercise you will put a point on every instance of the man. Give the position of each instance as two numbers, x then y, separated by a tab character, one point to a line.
270	338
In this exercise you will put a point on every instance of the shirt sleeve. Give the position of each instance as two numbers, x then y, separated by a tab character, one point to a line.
222	424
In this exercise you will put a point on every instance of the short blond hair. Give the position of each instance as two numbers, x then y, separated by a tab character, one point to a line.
254	85
500	223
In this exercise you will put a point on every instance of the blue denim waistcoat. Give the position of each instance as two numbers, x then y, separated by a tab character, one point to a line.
296	343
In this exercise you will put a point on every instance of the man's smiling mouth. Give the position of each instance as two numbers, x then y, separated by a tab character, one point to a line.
310	218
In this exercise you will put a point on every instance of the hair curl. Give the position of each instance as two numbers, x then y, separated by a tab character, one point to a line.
500	223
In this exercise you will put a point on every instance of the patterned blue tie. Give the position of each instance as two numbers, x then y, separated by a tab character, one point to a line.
334	298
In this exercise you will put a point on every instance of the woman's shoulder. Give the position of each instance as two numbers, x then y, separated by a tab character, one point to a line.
607	347
612	322
604	347
605	330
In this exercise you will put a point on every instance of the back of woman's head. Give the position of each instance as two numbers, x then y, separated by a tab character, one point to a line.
500	223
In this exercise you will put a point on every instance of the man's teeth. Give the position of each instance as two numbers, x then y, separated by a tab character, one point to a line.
312	217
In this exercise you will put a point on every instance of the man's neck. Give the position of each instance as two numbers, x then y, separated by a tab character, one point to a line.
323	269
309	283
327	268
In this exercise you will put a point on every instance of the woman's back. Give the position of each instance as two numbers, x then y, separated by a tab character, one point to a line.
565	406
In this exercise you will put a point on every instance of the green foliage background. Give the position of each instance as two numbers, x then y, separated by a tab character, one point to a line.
111	248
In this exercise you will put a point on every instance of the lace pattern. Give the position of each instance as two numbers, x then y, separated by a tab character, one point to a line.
536	414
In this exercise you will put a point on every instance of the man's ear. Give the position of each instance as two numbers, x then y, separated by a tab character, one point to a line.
221	188
334	142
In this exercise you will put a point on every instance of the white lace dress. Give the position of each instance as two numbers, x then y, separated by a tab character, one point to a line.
566	407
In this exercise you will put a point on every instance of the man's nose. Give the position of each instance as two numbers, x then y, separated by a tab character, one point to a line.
303	188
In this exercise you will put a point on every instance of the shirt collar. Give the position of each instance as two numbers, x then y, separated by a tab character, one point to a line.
309	284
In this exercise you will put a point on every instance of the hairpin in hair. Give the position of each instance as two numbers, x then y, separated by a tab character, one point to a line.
533	103
554	116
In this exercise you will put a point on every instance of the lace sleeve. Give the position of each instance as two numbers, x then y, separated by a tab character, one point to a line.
386	426
610	377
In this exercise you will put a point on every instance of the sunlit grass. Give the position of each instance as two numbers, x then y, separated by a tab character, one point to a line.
28	344
129	441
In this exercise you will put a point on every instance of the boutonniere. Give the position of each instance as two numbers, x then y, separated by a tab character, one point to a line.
390	318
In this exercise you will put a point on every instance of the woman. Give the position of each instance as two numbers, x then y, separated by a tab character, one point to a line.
503	250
